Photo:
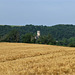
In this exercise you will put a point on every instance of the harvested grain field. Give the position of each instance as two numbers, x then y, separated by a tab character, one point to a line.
35	59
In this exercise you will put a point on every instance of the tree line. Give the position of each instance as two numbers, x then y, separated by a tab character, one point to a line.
63	35
14	36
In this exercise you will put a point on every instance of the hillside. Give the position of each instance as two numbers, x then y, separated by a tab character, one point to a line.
58	31
36	59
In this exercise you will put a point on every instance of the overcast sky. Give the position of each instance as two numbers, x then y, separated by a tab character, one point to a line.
37	12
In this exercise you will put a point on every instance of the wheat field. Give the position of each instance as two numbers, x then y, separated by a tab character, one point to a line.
35	59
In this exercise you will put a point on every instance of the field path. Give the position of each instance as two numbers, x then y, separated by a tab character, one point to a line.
36	59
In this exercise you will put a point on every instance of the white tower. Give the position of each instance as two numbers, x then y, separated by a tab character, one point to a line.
38	33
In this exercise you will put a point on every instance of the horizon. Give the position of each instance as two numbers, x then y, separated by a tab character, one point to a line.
37	12
37	25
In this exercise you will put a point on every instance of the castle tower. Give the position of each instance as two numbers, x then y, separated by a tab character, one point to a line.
38	33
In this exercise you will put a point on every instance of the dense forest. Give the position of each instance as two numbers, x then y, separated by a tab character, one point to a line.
61	34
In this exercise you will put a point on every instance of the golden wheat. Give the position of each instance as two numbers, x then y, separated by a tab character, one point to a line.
35	59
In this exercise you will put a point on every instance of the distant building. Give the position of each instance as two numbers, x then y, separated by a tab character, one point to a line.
38	35
56	41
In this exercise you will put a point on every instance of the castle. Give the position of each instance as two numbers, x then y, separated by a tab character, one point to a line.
38	35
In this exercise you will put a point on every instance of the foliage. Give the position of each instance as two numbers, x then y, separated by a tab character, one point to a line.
26	38
58	31
71	42
48	39
12	36
61	34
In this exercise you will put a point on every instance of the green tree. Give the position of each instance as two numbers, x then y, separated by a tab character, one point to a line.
26	38
12	36
71	42
46	40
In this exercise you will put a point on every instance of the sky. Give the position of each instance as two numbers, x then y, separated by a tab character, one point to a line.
37	12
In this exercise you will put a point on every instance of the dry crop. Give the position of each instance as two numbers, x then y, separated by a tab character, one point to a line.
35	59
